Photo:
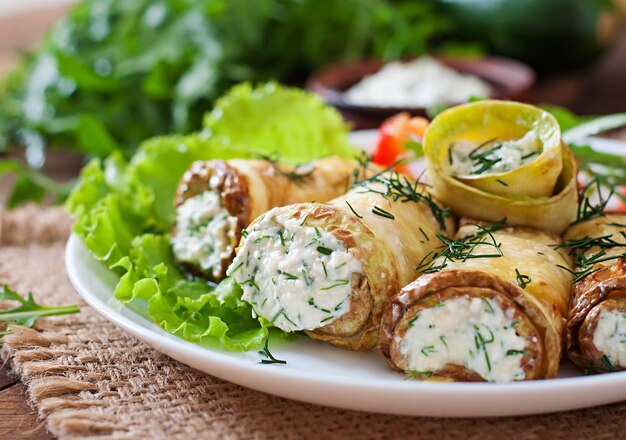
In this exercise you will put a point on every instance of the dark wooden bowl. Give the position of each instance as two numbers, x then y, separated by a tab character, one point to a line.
510	79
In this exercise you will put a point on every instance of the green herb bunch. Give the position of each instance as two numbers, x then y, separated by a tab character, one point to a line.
115	72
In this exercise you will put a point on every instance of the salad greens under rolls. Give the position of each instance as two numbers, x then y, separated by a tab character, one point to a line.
496	159
596	322
216	199
329	269
124	209
489	306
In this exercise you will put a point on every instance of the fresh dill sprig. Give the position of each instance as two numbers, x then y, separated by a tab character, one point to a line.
298	173
463	248
484	160
353	211
522	280
585	263
401	188
381	212
587	209
266	352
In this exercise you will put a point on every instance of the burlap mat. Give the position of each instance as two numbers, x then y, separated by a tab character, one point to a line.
89	379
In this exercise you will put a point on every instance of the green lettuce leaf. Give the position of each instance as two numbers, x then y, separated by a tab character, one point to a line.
124	209
289	123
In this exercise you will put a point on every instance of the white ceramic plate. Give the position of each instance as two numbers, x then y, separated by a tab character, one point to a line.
319	373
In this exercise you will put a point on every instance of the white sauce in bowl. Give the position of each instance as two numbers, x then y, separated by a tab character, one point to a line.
423	82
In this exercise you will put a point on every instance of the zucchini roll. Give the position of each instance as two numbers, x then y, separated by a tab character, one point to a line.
496	159
596	322
489	306
329	269
216	199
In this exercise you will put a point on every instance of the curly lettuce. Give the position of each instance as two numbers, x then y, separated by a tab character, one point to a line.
124	208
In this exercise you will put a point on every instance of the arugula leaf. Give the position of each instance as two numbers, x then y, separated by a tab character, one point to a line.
28	310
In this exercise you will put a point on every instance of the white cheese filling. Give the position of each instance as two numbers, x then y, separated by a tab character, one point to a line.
610	336
204	231
493	157
473	332
297	276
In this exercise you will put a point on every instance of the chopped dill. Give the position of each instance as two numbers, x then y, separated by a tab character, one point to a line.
266	352
353	211
522	280
414	374
337	284
288	275
583	261
401	188
324	250
462	249
586	207
381	212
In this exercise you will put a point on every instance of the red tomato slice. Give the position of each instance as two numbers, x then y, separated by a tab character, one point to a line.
395	132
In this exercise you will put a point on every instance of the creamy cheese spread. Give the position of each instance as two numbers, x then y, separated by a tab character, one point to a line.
297	276
493	157
424	82
204	231
473	332
610	335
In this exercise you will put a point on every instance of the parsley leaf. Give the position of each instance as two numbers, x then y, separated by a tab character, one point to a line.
28	311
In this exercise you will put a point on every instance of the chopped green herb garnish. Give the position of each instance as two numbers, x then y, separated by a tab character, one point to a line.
487	302
288	275
244	233
324	250
462	249
429	349
526	156
414	374
584	262
353	211
587	209
270	358
515	352
261	238
522	280
400	188
502	182
337	284
381	212
412	321
251	282
282	238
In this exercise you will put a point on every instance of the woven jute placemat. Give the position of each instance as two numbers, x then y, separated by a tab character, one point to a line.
89	379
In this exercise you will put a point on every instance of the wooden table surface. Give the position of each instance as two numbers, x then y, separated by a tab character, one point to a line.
601	90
